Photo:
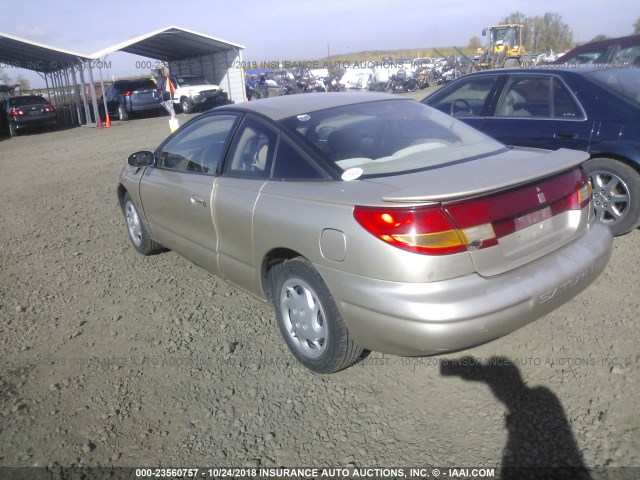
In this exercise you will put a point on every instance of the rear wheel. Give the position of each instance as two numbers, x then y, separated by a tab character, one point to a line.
140	238
511	63
309	319
616	194
122	113
13	130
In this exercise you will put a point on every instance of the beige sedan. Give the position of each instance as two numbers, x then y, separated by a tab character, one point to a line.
369	221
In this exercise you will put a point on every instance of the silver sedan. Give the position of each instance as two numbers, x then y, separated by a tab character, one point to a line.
369	221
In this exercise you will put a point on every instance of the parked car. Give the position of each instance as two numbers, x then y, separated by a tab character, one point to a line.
127	97
369	221
192	92
26	112
594	109
622	51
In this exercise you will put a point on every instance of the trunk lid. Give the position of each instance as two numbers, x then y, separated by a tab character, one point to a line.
508	213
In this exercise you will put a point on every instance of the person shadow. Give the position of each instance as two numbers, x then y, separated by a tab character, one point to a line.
540	441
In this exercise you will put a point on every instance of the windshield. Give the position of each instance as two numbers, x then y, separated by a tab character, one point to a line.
389	137
24	101
623	82
192	81
505	35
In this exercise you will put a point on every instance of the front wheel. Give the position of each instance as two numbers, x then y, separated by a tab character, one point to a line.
186	105
309	319
616	194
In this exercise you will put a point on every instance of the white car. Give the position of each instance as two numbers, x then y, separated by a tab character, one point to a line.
193	92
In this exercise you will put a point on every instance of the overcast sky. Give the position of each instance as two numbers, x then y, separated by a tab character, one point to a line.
300	29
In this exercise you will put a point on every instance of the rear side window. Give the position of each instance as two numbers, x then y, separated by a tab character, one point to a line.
291	165
252	153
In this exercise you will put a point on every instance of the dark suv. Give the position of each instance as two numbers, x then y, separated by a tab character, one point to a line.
622	51
126	97
25	112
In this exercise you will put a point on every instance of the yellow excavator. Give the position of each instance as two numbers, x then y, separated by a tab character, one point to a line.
506	48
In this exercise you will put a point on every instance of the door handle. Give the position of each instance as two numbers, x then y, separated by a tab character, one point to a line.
566	136
195	200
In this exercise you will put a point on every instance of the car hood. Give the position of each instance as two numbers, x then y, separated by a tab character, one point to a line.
200	88
472	178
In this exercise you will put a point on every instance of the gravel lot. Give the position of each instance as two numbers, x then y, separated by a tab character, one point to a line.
108	358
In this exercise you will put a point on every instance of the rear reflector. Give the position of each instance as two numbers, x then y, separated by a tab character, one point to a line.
443	229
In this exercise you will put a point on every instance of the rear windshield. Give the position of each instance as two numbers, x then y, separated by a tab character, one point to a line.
140	84
389	137
623	82
22	101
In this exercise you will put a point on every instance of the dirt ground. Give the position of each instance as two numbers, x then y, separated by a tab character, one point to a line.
108	358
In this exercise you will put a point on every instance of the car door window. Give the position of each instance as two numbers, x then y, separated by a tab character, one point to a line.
469	98
252	152
199	147
628	56
537	96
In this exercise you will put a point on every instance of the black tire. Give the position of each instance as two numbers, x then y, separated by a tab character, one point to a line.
13	130
616	194
122	113
329	348
140	238
186	105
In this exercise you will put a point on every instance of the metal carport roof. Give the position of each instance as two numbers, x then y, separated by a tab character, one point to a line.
21	53
58	66
170	44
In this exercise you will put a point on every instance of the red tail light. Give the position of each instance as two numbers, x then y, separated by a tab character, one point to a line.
455	227
49	109
418	229
15	112
128	93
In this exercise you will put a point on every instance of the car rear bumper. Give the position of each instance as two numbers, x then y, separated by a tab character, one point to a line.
144	107
35	122
427	318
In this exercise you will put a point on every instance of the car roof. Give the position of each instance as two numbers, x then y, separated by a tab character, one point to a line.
286	106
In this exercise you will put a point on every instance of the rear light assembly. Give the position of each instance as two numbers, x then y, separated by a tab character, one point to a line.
444	229
15	112
49	109
128	93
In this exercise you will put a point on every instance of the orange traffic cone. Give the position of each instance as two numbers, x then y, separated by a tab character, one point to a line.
100	125
108	125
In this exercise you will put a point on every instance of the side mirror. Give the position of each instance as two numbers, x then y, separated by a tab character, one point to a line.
141	159
484	32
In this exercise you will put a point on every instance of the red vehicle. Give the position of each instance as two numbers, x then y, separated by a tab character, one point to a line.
622	51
